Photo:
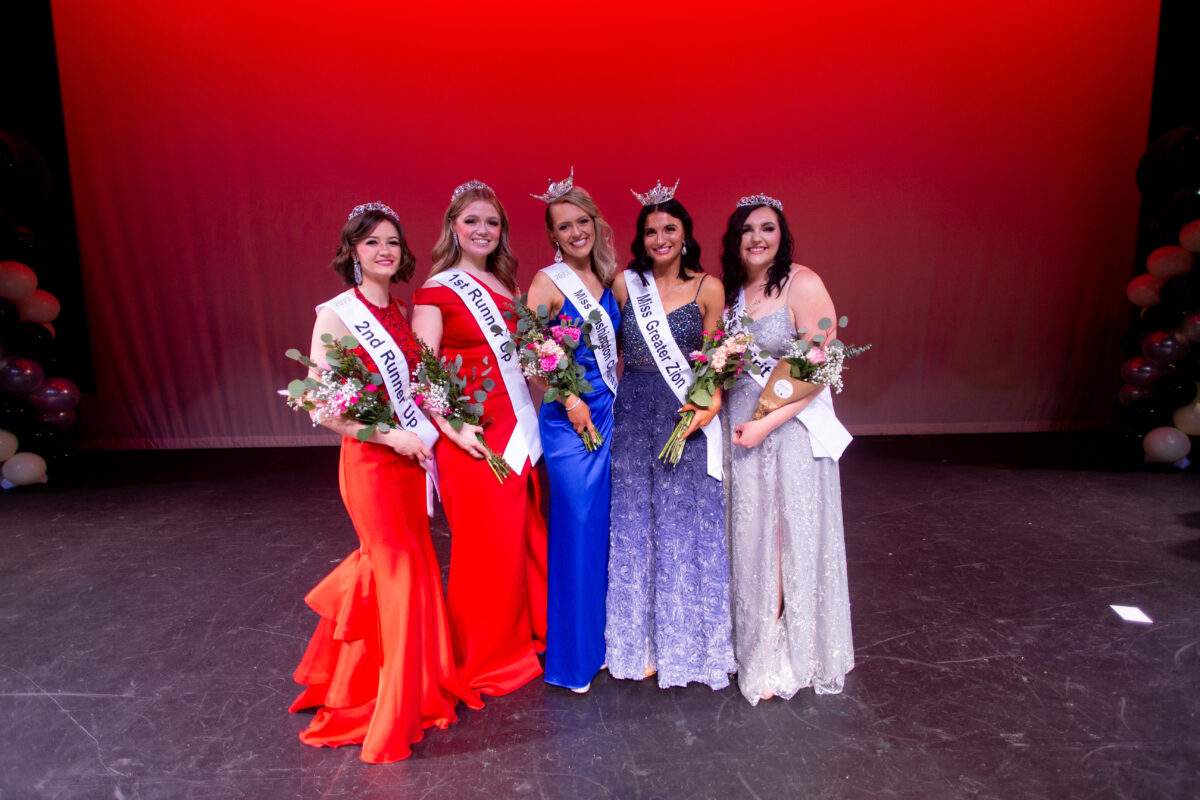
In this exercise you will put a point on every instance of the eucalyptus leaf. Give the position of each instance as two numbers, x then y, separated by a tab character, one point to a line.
701	396
550	396
522	326
488	384
375	378
456	423
825	323
818	338
594	316
293	353
843	321
365	433
543	312
480	395
327	338
349	342
296	388
485	361
496	329
585	385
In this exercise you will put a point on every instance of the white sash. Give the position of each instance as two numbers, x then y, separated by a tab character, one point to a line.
393	367
672	364
827	436
603	334
525	441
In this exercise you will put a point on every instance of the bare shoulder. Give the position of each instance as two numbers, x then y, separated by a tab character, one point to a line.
712	291
430	284
805	278
619	289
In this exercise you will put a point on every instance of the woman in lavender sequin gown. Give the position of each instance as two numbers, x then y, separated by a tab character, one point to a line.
790	597
668	570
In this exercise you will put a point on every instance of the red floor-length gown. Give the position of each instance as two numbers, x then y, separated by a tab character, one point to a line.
380	666
496	595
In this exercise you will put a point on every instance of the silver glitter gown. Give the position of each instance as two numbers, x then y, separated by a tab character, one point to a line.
781	498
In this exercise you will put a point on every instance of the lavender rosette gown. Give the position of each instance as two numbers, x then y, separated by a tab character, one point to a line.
668	568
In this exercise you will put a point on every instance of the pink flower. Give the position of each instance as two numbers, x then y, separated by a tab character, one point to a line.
717	334
370	387
815	356
548	363
420	399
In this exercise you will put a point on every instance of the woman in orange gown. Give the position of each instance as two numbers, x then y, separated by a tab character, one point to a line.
496	597
380	667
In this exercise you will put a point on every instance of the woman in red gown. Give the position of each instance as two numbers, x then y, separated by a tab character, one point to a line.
496	597
380	667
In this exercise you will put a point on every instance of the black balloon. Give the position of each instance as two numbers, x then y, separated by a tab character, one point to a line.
1181	293
9	317
43	438
1162	348
1173	391
1159	317
33	340
1146	415
15	413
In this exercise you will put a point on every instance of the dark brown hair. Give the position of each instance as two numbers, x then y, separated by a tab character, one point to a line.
355	231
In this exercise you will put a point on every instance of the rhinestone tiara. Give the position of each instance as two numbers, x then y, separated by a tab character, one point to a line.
376	206
659	194
557	189
468	186
760	200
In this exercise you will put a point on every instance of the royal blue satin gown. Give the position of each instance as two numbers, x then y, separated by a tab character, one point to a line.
579	515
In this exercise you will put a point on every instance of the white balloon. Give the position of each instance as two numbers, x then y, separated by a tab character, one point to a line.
26	468
8	444
1165	445
1187	419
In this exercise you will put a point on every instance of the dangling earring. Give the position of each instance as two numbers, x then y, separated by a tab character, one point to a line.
455	235
558	254
683	252
357	273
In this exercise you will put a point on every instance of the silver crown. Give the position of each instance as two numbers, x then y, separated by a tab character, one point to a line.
760	200
659	194
468	186
557	189
376	206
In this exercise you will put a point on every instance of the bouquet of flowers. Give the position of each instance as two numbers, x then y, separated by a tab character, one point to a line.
440	388
719	361
547	352
806	366
344	387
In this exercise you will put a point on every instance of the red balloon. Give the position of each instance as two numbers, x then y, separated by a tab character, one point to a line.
1167	262
1128	395
1164	347
20	375
66	418
56	394
1189	237
1142	290
1140	372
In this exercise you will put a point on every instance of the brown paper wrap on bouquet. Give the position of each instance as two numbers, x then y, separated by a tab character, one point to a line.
782	389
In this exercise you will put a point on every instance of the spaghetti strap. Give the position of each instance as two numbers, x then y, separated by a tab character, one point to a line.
702	277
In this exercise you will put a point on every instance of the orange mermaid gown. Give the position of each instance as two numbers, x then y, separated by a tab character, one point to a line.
380	666
496	596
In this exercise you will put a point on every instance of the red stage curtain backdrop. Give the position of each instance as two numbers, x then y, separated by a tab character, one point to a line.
960	174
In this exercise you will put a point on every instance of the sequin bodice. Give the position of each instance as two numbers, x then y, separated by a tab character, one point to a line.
687	328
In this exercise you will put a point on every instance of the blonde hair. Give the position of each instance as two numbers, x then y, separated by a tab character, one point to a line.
604	253
446	253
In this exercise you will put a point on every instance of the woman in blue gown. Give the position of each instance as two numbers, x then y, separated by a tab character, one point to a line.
577	282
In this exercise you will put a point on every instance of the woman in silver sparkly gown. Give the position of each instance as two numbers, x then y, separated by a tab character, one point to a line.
791	607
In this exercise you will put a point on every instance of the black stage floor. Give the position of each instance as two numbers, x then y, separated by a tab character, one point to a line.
150	620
